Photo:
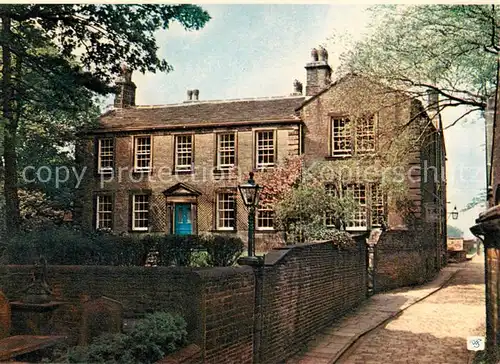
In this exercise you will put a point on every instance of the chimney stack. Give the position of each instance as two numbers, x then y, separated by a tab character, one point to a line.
125	89
318	72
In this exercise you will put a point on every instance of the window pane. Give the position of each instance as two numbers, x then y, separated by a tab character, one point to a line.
142	153
140	212
358	221
330	217
183	153
265	149
226	216
377	200
341	136
265	218
226	150
105	155
365	134
104	212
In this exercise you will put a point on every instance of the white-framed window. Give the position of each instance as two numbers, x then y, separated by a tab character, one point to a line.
365	134
104	212
265	149
377	205
329	216
142	153
226	214
226	150
265	218
183	153
359	218
105	155
140	212
341	136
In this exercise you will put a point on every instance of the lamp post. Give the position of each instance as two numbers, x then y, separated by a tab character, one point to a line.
250	193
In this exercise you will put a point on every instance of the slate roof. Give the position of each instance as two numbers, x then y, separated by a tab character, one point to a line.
203	113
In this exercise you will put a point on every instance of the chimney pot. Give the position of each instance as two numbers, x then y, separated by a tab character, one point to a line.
323	54
190	94
314	54
196	93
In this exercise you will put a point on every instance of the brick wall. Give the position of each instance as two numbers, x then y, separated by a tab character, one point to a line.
302	289
306	287
217	303
402	258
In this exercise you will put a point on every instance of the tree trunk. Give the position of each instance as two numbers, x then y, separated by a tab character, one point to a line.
12	215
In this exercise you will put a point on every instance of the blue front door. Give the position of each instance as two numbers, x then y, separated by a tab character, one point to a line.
183	224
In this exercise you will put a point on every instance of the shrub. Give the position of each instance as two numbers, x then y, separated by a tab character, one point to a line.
178	249
223	250
199	259
157	335
64	245
160	333
341	239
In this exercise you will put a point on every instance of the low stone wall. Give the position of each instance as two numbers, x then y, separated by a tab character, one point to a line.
403	258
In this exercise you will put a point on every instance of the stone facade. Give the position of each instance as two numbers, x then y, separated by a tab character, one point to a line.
296	124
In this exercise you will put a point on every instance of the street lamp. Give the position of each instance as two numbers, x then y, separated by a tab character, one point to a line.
454	213
250	194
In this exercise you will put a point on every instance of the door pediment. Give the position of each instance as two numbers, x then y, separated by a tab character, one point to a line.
181	189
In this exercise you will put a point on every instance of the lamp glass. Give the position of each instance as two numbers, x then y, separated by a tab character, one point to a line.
250	194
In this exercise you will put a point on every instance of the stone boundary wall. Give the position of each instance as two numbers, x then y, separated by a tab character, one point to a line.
403	258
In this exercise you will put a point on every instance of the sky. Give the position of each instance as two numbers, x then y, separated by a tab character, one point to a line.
258	50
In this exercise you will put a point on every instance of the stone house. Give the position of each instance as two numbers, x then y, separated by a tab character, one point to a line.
171	168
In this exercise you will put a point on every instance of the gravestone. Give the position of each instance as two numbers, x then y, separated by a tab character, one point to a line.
102	315
4	316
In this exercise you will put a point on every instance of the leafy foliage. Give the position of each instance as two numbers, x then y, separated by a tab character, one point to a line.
302	211
454	232
63	245
154	337
222	250
54	57
177	249
450	49
67	246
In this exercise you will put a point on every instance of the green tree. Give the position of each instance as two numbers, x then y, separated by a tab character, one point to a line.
88	43
451	49
454	232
